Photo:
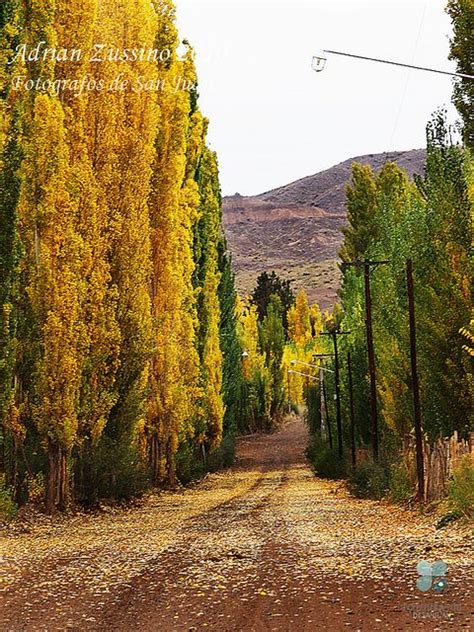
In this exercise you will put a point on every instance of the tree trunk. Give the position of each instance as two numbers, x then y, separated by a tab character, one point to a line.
171	480
155	460
63	482
57	479
52	478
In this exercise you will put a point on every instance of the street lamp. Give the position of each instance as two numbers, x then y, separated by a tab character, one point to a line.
319	62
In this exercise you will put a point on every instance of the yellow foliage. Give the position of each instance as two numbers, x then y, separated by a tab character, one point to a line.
468	335
299	321
111	196
53	249
304	326
173	208
212	354
253	360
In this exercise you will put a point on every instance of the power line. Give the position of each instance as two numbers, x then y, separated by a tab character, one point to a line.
334	334
318	66
407	80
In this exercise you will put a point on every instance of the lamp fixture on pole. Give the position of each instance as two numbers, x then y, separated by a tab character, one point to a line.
319	62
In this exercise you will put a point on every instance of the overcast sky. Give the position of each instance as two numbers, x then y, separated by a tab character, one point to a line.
273	120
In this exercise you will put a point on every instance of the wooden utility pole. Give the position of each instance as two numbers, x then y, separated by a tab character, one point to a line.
326	410
415	382
322	389
374	425
338	396
334	334
351	404
321	405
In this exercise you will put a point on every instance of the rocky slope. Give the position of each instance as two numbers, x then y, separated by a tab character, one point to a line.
296	229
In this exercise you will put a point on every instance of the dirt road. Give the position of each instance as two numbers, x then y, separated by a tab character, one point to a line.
263	546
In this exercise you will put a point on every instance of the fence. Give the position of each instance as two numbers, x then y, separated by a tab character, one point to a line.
440	459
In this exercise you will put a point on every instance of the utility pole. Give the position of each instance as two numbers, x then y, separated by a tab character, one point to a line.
322	369
334	334
367	265
326	410
321	405
415	382
371	357
325	422
351	405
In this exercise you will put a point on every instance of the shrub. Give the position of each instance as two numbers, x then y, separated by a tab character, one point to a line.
8	507
326	461
223	456
369	480
190	465
35	487
293	408
400	487
461	488
451	516
111	470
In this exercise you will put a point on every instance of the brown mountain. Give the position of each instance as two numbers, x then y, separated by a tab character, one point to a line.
296	229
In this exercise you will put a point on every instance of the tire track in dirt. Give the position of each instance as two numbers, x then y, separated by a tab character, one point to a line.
35	600
227	540
52	605
263	546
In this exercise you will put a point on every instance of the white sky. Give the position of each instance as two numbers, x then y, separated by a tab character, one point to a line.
273	120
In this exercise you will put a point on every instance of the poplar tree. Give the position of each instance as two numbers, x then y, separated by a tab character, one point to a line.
53	259
120	130
173	205
299	320
461	13
12	431
361	205
272	341
76	27
209	313
232	376
51	269
257	395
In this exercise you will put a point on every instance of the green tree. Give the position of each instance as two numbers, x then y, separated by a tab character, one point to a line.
432	224
209	315
272	344
361	204
268	284
462	51
11	154
232	376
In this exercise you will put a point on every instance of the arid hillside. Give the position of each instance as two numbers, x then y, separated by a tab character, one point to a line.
296	229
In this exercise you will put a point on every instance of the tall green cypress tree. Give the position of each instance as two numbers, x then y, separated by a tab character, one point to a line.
271	334
10	161
232	376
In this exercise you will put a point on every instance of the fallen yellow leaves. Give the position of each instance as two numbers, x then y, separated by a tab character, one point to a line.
265	530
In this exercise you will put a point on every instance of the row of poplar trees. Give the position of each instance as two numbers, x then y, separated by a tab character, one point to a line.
118	342
430	221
